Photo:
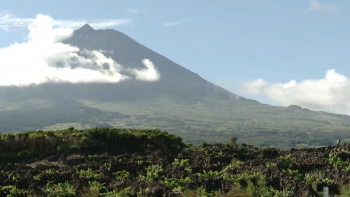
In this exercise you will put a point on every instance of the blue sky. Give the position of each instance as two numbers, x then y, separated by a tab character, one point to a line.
229	43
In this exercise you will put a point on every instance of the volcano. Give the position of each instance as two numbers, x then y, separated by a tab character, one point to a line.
180	102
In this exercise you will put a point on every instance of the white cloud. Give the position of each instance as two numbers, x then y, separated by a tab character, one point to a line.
177	22
315	5
329	94
42	59
9	22
149	74
5	28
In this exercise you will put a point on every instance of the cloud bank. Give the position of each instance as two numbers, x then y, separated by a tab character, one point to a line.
316	6
329	94
43	59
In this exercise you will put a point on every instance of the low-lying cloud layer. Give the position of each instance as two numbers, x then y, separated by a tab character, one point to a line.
43	59
330	94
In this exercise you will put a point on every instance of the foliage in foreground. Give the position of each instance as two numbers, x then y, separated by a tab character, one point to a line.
119	162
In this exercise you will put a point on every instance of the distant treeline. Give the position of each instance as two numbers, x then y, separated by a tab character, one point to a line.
31	143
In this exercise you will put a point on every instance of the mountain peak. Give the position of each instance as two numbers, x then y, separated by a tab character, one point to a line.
86	27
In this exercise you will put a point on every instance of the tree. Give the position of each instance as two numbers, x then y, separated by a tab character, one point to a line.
233	140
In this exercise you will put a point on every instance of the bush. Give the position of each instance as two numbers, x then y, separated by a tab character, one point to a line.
184	162
234	164
89	174
287	160
294	173
13	191
60	189
152	172
122	175
174	183
233	141
208	174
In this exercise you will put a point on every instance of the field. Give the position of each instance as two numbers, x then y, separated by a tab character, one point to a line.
113	162
195	121
211	121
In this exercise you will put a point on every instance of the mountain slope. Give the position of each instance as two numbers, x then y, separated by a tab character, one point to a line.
175	80
181	102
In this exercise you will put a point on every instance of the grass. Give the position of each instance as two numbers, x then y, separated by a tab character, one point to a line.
201	121
210	120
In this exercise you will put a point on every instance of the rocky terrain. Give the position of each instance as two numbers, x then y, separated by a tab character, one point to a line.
112	162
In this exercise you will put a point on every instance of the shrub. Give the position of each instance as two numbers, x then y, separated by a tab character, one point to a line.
14	191
95	187
152	172
269	164
60	189
208	174
107	165
233	142
122	175
234	164
293	173
174	183
184	162
315	177
240	148
262	190
337	162
89	174
246	176
287	160
204	144
261	149
123	193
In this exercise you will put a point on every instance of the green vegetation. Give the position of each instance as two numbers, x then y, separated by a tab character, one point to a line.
115	193
287	160
60	189
246	176
176	184
89	174
112	162
152	172
234	164
261	189
122	175
294	173
35	143
216	121
13	191
269	164
233	141
95	187
208	174
209	120
184	162
338	163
